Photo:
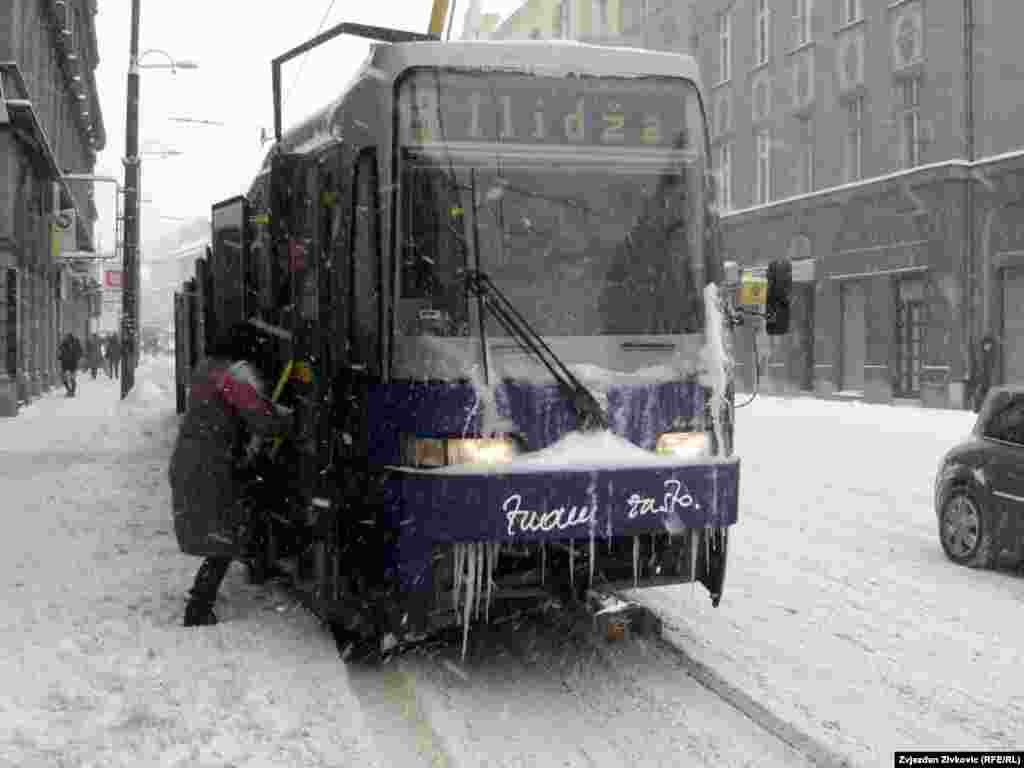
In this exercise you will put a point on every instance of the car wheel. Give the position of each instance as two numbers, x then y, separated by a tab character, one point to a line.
966	531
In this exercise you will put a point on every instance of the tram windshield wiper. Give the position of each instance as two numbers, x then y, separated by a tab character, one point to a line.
588	410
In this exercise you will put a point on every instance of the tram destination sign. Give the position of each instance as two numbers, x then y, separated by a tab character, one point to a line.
451	106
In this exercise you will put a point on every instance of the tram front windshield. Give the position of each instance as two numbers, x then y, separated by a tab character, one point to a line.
581	198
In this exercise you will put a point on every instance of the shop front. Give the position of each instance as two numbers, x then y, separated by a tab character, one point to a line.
879	302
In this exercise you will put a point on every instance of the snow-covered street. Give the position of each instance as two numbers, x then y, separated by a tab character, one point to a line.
841	615
841	612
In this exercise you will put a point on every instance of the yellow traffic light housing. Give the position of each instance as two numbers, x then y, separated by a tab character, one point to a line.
753	290
438	15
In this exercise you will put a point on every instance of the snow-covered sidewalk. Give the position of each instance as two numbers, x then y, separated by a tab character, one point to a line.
94	667
841	613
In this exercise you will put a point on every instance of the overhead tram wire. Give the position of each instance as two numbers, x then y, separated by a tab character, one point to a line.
302	62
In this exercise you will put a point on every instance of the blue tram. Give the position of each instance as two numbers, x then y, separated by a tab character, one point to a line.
490	271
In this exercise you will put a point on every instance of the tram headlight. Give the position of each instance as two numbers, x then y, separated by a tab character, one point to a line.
428	452
683	444
439	452
482	450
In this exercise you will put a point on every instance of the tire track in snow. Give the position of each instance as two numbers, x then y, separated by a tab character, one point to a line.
542	694
814	750
397	718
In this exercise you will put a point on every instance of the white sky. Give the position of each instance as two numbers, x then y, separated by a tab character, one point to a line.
233	41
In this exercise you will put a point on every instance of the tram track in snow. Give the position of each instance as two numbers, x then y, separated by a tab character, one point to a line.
817	753
641	699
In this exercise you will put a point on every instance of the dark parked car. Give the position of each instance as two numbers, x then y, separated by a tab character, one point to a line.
979	488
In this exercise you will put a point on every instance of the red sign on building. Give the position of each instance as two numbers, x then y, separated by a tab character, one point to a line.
112	279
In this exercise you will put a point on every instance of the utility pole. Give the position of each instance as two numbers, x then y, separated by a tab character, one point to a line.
129	277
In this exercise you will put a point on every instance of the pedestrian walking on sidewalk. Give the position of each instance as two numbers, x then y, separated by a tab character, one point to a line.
212	518
113	356
985	370
93	353
70	354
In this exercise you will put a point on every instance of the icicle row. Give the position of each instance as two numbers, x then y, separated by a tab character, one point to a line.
543	561
473	583
470	590
572	563
492	559
590	580
636	561
460	563
693	554
478	552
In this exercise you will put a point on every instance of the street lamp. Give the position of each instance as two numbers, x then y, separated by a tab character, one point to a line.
163	153
97	179
132	172
173	64
195	121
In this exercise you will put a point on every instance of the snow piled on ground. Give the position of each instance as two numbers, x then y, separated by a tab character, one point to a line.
841	613
96	669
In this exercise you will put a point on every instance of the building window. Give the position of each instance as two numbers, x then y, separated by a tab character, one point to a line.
724	47
910	122
723	115
806	163
600	11
724	176
852	11
764	167
854	141
68	26
761	32
802	19
761	97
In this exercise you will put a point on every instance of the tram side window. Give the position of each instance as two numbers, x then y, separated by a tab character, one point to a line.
366	264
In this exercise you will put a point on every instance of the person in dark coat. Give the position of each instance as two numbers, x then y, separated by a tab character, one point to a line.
227	406
70	354
113	356
93	353
985	366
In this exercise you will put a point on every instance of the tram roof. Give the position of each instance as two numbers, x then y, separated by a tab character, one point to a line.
548	57
561	57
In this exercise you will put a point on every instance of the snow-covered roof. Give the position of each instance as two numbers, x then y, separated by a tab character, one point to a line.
538	56
387	61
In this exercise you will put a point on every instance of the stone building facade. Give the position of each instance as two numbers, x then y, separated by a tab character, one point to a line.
50	125
876	143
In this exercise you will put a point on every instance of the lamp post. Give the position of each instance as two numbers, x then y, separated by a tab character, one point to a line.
172	63
195	121
132	173
129	302
161	153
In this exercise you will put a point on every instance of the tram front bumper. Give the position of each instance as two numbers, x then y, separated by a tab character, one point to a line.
428	508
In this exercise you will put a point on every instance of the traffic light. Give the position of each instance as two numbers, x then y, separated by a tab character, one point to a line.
780	289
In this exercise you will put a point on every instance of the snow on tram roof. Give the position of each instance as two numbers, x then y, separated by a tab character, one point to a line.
540	57
562	57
